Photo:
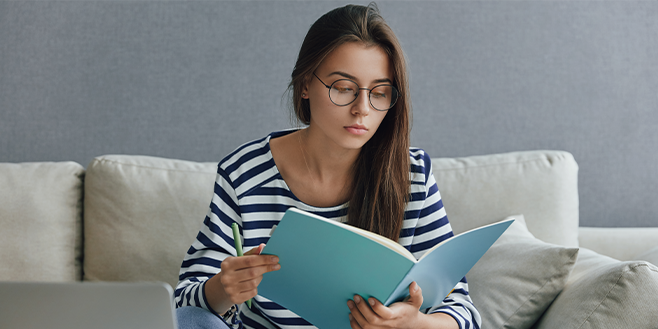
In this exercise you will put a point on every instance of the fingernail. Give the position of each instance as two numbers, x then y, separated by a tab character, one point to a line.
274	260
357	299
276	267
349	304
372	302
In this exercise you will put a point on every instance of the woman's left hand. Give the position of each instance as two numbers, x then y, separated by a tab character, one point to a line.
373	314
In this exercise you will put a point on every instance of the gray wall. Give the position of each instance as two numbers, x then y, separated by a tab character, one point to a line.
193	80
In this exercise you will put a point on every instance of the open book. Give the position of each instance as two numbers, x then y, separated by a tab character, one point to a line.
324	263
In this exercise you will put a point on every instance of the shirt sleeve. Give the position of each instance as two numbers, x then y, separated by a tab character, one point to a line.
213	244
432	228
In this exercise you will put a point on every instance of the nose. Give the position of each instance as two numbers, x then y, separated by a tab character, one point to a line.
361	105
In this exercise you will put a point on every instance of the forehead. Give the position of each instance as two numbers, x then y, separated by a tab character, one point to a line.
365	63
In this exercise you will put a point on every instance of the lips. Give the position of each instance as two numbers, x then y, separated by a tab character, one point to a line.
357	129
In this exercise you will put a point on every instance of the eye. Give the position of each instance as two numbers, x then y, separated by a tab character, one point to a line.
381	92
341	88
345	86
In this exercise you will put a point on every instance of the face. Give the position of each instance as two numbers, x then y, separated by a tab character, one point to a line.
351	126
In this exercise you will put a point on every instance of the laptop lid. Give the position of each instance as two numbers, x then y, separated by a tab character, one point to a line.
99	305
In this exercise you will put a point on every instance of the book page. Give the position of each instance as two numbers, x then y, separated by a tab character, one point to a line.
440	268
384	241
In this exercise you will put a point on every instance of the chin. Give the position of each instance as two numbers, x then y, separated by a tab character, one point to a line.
355	143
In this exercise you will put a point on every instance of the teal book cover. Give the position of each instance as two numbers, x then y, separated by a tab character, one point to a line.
324	263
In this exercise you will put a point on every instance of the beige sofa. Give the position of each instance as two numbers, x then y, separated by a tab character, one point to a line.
132	218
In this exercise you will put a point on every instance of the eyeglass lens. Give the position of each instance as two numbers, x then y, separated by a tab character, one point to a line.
344	92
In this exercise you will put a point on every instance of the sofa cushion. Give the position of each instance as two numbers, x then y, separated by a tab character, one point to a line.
606	293
141	215
518	278
542	185
40	221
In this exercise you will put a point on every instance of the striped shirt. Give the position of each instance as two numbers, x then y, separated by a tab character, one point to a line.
250	191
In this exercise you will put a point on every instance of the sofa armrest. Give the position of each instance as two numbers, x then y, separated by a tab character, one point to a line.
622	243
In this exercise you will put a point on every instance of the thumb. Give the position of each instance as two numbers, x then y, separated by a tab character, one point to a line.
415	295
255	251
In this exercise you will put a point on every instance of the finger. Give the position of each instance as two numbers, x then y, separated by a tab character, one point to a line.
238	286
239	292
353	323
260	248
356	316
244	296
244	262
381	310
366	311
251	273
231	277
415	295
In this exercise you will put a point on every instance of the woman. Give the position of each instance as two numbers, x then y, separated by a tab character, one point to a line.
349	86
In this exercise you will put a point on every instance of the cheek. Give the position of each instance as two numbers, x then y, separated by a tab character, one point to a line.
319	98
322	107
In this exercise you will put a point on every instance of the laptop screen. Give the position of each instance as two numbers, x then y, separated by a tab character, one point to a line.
99	305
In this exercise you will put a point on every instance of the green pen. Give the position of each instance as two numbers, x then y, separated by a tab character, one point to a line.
238	247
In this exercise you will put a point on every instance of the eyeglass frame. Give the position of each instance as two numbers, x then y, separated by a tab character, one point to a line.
357	94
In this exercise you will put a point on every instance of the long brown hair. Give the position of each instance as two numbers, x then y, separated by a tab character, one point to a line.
381	183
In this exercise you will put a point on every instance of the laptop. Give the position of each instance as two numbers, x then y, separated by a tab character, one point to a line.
98	305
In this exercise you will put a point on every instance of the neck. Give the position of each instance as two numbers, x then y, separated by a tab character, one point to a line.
326	162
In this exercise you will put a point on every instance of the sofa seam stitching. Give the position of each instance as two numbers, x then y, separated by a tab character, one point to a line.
151	167
493	164
529	298
611	288
441	170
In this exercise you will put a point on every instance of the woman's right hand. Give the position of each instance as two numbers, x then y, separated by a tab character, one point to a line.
239	279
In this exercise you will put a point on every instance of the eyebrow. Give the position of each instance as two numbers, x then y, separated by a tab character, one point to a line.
351	77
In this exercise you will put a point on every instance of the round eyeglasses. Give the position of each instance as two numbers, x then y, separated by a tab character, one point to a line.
344	92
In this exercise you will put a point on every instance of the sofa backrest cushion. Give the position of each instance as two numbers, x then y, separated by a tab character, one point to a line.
622	243
541	185
141	215
650	256
40	221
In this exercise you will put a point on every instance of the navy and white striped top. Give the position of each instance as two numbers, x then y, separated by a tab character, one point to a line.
250	191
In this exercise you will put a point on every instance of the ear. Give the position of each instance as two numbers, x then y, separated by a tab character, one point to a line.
306	85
